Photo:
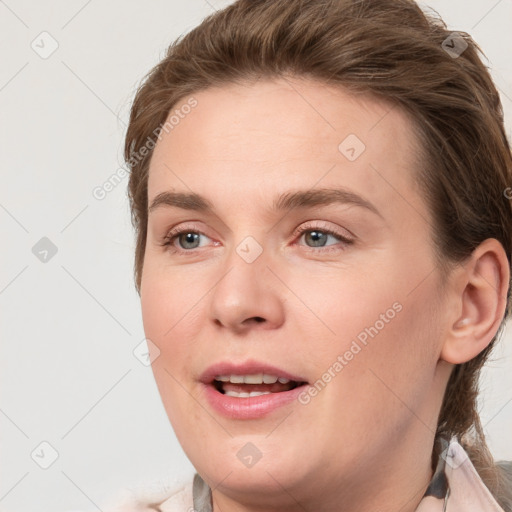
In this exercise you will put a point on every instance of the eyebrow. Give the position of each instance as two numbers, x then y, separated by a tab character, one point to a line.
287	201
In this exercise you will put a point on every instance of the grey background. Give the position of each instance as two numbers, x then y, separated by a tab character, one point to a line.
69	325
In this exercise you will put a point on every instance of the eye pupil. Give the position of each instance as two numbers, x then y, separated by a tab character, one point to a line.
189	238
318	238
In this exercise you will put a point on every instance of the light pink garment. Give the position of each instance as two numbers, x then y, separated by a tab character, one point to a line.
466	490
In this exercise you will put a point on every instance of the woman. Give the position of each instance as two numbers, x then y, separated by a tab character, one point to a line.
324	239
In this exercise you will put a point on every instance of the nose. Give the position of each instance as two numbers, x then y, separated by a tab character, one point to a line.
247	296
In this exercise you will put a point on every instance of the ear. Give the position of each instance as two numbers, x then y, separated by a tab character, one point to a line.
482	285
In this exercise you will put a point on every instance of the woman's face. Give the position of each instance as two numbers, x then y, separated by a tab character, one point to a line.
304	255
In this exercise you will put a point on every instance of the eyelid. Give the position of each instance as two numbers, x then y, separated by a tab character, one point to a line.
321	225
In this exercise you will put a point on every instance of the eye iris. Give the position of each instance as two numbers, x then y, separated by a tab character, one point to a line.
188	238
318	238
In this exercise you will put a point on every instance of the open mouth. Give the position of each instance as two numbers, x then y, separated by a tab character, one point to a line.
247	386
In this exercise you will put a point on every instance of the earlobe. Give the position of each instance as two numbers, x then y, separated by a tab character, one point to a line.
483	282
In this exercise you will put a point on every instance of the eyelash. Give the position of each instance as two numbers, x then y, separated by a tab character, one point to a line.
168	240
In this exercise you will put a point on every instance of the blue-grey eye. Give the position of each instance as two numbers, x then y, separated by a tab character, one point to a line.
318	238
189	238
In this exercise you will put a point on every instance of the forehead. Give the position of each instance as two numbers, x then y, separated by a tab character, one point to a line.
263	135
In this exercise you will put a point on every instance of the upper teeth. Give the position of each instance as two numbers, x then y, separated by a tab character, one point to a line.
257	378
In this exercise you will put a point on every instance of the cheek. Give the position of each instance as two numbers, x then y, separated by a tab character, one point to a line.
342	304
382	386
398	363
169	304
159	312
168	322
374	326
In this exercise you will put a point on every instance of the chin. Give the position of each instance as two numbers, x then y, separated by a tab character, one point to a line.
259	484
253	465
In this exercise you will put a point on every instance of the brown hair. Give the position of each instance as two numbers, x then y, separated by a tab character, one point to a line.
391	50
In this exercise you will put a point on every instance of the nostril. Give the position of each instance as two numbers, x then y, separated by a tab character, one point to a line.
256	319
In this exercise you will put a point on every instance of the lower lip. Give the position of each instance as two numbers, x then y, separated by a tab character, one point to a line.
250	407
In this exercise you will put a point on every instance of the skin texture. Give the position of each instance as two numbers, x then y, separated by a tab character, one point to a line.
365	441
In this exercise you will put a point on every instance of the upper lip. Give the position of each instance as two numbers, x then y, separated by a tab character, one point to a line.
247	368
